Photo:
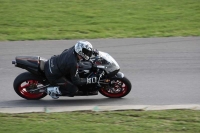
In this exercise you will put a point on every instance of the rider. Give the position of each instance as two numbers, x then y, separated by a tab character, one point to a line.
66	64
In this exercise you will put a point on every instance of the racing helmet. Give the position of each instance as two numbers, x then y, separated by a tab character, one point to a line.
84	49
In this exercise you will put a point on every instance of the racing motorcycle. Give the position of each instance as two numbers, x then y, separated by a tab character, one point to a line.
112	83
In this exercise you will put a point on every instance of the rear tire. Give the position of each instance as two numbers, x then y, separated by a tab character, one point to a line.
26	81
120	88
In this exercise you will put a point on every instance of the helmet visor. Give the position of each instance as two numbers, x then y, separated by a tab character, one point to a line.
87	52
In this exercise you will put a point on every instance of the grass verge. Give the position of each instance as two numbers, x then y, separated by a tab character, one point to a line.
170	121
71	19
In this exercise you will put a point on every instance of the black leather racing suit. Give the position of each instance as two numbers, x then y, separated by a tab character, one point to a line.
65	64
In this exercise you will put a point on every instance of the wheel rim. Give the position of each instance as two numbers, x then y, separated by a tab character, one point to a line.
27	85
118	89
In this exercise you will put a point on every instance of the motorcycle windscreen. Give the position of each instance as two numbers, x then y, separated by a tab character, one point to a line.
111	66
112	70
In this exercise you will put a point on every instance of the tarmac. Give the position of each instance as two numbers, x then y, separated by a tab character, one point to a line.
98	108
164	73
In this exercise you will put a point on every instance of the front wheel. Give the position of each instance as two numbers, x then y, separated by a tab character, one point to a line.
25	82
119	87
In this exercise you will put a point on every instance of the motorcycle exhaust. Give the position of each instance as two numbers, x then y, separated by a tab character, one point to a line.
14	62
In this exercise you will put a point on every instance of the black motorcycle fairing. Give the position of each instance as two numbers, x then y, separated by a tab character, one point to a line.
85	65
111	70
84	68
119	75
30	63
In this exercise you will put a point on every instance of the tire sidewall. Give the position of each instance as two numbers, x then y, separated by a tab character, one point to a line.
125	81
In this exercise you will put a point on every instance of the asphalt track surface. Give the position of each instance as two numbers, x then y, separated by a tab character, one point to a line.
163	71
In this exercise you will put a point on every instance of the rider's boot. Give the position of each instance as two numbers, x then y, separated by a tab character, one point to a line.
53	92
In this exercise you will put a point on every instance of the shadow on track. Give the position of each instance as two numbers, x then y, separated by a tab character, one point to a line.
62	102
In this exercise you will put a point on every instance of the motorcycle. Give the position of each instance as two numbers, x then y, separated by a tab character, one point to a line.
110	83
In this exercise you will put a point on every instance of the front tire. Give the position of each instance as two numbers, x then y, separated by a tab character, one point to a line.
119	87
26	81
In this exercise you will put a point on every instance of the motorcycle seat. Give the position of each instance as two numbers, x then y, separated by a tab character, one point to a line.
42	63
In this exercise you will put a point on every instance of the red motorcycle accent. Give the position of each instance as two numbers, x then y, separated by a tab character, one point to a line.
28	84
118	90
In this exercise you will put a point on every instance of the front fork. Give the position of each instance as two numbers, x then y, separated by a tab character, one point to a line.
108	83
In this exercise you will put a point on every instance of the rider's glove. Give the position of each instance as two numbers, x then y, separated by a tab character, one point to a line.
95	52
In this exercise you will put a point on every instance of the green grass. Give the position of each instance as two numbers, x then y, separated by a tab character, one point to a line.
170	121
71	19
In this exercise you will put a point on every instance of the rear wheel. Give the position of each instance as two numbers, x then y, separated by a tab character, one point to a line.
25	82
119	87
